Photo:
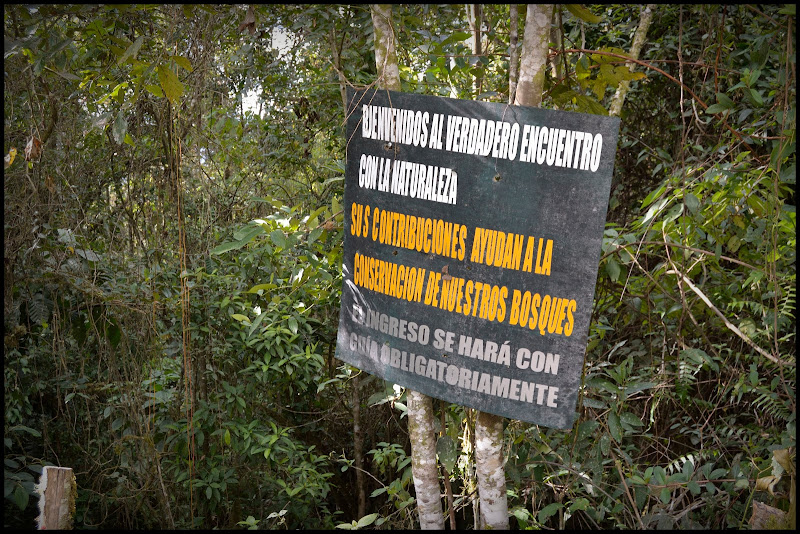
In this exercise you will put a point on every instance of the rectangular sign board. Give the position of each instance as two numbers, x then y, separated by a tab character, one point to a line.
473	233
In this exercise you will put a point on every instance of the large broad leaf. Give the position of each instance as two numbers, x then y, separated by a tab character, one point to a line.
582	13
456	37
613	269
256	322
172	86
448	454
132	50
20	497
183	62
366	520
120	127
243	237
278	238
614	427
549	511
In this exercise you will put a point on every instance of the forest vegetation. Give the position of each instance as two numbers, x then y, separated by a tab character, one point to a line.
173	232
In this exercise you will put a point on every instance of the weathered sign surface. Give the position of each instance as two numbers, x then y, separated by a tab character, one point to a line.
473	234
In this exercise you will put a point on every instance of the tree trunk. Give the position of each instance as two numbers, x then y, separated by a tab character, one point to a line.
385	47
475	17
513	52
420	407
491	471
636	47
533	62
488	427
423	461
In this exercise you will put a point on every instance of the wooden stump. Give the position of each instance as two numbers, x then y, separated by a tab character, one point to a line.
57	491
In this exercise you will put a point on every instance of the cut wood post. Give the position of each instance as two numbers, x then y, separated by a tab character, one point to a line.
57	490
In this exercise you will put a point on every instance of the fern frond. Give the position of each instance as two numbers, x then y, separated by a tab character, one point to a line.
695	457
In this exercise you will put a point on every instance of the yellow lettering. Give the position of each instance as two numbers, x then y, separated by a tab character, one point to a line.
528	265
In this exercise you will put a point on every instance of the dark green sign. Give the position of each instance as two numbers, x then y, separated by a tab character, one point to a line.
473	234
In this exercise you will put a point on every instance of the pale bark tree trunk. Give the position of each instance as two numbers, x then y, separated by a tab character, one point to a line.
636	48
385	47
513	52
420	407
489	428
423	461
475	18
533	62
490	465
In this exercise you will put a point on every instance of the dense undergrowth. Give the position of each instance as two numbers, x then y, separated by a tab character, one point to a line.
173	270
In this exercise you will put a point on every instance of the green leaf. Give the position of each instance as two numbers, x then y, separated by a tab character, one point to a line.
585	429
366	520
260	287
256	323
630	419
154	90
456	37
636	387
665	495
549	511
227	437
314	234
724	101
582	13
120	127
653	195
590	104
87	254
117	93
241	318
613	269
172	86
225	247
756	96
20	497
248	232
293	325
580	503
692	202
68	76
8	487
183	62
132	50
447	451
278	238
715	108
594	403
29	430
244	236
614	427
